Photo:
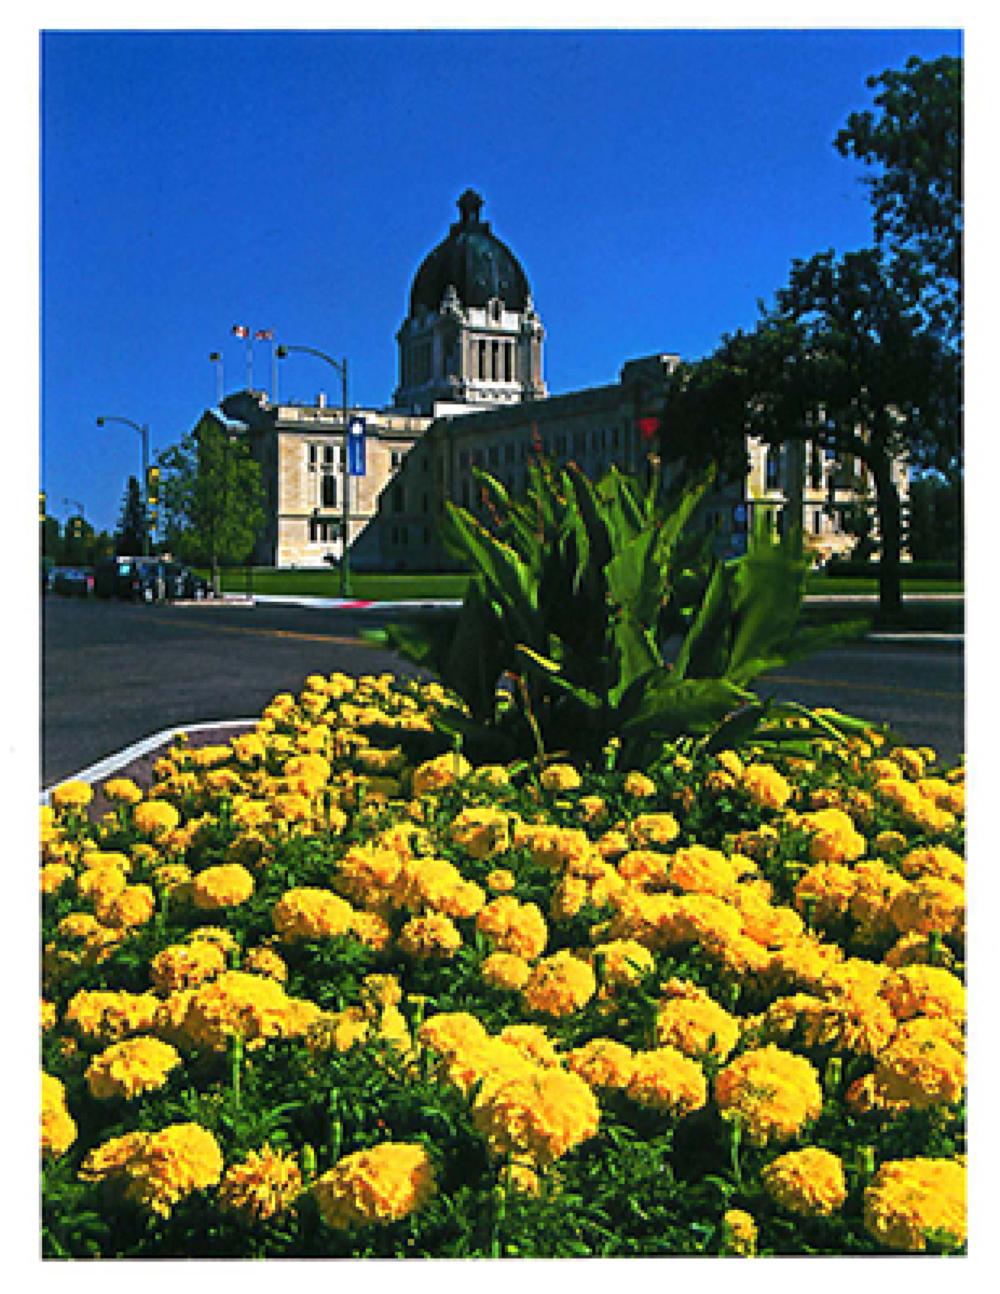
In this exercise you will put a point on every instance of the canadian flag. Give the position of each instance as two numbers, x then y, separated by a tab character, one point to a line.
240	330
264	334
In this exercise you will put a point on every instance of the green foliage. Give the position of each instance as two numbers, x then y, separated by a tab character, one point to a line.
132	522
560	642
914	145
212	495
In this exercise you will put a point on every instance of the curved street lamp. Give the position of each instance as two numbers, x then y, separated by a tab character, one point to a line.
143	431
341	367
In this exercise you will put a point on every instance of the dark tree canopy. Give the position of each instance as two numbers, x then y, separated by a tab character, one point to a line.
913	143
131	531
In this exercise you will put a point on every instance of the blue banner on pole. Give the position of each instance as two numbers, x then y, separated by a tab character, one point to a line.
356	447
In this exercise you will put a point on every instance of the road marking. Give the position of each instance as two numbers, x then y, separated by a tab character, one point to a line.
274	633
861	687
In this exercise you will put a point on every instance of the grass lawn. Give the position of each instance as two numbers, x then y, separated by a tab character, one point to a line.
390	587
381	586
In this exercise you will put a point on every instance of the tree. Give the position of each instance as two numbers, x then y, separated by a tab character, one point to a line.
843	359
914	144
934	522
131	533
212	496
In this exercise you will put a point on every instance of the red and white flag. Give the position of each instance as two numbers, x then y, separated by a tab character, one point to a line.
264	334
241	330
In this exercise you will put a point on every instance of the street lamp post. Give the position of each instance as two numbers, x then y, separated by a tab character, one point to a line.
143	431
341	367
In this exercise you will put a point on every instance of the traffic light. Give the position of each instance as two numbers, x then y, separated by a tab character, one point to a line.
41	506
152	486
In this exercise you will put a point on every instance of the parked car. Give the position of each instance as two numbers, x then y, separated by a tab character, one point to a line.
113	578
74	581
182	582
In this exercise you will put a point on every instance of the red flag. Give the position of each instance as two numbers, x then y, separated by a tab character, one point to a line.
241	330
264	334
648	427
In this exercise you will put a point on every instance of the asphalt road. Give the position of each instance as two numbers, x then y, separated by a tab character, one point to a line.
113	673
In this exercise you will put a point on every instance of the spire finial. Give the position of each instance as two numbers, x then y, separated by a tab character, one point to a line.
470	204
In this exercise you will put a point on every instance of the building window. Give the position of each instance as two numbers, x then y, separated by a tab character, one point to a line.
772	467
508	361
329	490
815	468
395	459
817	521
481	367
328	455
425	502
398	498
495	360
494	455
508	453
313	450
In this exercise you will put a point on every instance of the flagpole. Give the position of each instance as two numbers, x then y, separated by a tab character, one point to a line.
274	375
249	360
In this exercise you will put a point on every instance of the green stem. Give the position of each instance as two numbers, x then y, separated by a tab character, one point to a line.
236	1067
735	1136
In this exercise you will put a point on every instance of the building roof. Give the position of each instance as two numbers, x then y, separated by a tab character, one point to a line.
474	262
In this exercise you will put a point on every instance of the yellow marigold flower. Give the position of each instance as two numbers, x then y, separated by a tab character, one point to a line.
613	844
532	1042
937	860
592	808
171	1164
540	1115
54	876
513	927
58	1127
772	1093
924	990
602	1063
482	831
803	962
653	828
133	906
665	1079
492	774
920	1071
645	868
876	886
265	961
833	836
771	927
49	1015
766	786
437	774
908	1198
505	971
731	762
697	870
696	1027
71	795
338	1030
311	913
909	760
102	884
155	818
450	1032
130	1068
381	1185
560	777
252	1007
225	886
122	790
262	1185
890	842
500	880
913	949
739	1234
248	747
809	1182
372	930
639	785
929	905
173	878
107	1016
431	935
559	985
623	961
827	888
216	935
180	966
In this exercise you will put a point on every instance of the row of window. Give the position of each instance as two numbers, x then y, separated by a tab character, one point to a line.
493	361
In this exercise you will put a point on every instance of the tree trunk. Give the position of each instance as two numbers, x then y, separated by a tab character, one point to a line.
890	535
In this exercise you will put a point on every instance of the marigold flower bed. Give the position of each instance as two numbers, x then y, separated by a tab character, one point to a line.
305	997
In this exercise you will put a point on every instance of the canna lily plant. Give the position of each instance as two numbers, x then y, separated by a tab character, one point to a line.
560	645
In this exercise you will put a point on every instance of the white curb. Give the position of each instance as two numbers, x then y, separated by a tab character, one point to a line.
106	767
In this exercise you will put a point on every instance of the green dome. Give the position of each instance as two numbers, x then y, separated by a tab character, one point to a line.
473	261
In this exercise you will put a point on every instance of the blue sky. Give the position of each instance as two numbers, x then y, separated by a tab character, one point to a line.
654	184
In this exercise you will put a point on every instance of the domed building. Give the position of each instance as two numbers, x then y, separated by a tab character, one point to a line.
472	338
